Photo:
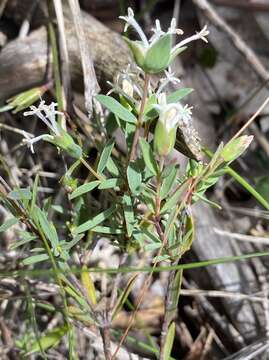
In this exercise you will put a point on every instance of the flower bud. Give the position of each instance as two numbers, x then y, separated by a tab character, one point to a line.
156	57
233	149
164	135
170	115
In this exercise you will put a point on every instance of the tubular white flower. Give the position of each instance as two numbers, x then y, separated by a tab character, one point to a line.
47	114
157	32
169	78
173	30
130	21
31	141
171	115
199	35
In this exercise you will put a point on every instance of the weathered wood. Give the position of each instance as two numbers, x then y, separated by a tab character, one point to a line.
27	62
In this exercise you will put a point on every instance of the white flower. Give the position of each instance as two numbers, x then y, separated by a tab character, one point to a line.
173	30
47	114
126	84
130	21
140	49
171	115
158	32
169	78
199	35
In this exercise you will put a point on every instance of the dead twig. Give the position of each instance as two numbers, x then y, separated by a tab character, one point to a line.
64	57
91	86
238	43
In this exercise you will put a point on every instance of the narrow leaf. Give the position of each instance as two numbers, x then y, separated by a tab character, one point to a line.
169	340
178	95
148	156
105	155
83	189
98	219
128	214
35	259
110	183
134	178
168	183
124	295
20	194
49	340
88	284
116	108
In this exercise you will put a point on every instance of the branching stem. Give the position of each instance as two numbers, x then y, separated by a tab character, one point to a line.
140	119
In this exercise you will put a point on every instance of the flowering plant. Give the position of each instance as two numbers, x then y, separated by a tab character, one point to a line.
144	203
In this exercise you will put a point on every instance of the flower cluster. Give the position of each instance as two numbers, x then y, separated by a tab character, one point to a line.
58	136
155	54
47	114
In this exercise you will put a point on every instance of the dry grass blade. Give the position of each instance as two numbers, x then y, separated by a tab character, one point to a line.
91	86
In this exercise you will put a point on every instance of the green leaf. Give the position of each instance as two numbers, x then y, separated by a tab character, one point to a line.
134	177
169	340
178	95
116	108
88	284
35	259
20	194
176	287
52	338
47	227
129	131
110	183
98	219
153	246
124	295
112	167
128	214
168	182
8	224
35	190
107	230
158	55
26	238
83	189
148	156
188	235
105	155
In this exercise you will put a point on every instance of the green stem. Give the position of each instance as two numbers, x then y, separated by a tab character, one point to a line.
140	119
248	187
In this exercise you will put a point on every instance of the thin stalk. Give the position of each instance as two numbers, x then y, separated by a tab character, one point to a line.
253	117
56	73
139	120
158	188
248	187
143	269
